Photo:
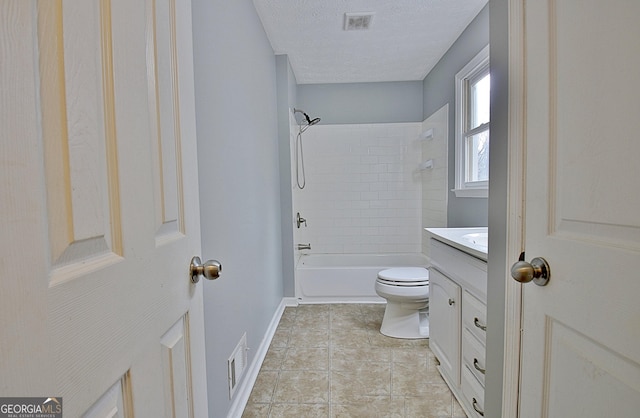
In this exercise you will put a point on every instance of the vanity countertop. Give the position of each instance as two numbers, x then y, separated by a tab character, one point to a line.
470	240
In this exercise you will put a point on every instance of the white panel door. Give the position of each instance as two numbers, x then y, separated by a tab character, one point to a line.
581	339
99	208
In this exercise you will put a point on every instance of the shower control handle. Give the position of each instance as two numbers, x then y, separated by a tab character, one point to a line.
300	220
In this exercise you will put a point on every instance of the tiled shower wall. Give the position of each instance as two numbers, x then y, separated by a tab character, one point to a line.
363	189
434	180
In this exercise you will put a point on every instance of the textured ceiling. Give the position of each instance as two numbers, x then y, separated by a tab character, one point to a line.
406	39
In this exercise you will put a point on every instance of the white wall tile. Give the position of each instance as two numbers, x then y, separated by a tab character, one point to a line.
361	194
434	181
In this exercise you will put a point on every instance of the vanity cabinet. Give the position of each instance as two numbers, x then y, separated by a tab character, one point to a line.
457	315
444	332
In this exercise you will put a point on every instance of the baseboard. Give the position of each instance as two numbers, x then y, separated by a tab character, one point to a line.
339	300
244	390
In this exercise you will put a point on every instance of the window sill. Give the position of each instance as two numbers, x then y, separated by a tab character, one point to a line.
483	193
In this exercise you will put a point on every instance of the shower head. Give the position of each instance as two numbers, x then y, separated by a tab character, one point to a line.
310	121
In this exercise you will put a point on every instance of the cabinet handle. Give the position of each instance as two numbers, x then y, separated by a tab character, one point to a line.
480	411
478	368
451	302
477	323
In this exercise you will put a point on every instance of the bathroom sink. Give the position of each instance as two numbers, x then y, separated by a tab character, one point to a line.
478	238
472	240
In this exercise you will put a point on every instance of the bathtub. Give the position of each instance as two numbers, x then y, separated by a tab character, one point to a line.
346	278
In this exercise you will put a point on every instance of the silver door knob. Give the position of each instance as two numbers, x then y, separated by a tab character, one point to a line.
211	269
538	271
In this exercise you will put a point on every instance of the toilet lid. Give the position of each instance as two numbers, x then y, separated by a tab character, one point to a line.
405	274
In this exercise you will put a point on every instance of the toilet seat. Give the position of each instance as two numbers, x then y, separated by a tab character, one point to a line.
404	276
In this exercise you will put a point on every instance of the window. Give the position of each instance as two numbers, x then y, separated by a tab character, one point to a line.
473	85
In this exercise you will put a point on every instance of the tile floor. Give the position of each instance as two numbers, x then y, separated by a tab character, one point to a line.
332	361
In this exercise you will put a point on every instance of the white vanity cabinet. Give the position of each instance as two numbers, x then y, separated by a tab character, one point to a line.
444	333
457	315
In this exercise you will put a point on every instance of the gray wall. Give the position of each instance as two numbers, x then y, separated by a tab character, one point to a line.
439	89
236	99
362	102
498	208
286	84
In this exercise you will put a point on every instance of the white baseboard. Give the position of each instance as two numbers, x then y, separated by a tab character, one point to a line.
244	390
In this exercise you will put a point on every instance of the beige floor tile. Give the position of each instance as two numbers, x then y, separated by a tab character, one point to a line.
304	358
318	312
264	386
302	386
288	318
312	322
412	356
332	360
274	358
421	407
310	337
256	410
381	340
458	412
411	380
342	354
299	411
349	338
353	381
281	337
368	407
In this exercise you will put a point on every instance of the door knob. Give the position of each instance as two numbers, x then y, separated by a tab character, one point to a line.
538	271
210	269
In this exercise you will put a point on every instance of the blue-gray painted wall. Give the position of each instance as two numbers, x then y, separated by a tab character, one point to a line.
287	88
497	270
353	103
439	89
239	178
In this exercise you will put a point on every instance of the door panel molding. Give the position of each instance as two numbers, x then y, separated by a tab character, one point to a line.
604	373
79	134
162	74
176	364
585	205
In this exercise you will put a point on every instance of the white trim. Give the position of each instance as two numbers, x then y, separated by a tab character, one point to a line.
244	390
462	188
516	213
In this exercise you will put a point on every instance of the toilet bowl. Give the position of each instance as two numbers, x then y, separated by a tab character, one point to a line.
406	290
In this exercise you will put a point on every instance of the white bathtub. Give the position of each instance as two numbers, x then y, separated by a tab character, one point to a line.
344	278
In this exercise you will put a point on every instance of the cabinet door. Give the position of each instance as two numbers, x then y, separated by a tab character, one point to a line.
444	323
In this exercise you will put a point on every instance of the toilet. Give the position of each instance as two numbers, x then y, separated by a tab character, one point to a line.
406	290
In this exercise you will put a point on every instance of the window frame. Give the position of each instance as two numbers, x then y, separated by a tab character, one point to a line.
475	69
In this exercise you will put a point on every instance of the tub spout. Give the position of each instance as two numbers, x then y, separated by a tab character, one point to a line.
304	246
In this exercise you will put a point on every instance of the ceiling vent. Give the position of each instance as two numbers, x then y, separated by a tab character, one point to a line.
358	21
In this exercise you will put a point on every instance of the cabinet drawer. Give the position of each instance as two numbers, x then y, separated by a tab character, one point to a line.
473	355
474	316
473	393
